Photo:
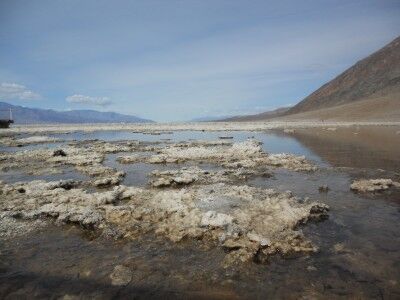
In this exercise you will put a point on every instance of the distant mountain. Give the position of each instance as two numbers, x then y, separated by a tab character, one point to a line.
259	117
25	115
375	76
209	119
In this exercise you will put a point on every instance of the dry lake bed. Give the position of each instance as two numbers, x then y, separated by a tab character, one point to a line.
211	210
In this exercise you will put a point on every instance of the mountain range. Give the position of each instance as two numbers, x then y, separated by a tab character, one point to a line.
25	115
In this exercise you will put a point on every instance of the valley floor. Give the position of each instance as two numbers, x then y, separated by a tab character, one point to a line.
156	128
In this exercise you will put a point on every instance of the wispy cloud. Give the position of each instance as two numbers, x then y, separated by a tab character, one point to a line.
81	99
14	91
187	56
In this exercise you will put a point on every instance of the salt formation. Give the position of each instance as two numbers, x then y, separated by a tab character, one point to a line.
86	157
212	205
194	174
249	222
248	154
373	185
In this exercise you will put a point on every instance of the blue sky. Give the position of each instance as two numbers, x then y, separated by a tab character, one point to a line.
178	60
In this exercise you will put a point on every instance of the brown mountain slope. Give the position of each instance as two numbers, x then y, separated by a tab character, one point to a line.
374	108
262	116
367	91
373	77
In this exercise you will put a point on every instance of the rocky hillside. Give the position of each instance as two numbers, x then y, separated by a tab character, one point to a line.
26	115
373	77
258	117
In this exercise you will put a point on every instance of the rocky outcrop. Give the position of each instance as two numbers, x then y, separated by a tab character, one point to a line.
377	74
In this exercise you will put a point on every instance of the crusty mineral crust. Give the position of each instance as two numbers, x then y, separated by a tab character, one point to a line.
194	174
86	158
373	185
247	154
190	202
240	160
249	222
36	139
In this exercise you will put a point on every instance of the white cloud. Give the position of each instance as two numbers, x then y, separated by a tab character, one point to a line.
14	91
81	99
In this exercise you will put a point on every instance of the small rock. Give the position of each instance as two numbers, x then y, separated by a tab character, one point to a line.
121	276
222	238
162	182
319	212
67	184
184	179
129	159
21	190
266	174
109	181
232	244
323	188
311	268
339	248
59	152
264	242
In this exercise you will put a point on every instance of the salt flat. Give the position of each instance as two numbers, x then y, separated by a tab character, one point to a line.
235	209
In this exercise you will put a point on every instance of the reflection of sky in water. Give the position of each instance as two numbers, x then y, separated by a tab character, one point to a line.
31	147
272	142
19	175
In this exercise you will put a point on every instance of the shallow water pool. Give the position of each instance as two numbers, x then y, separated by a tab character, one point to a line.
359	245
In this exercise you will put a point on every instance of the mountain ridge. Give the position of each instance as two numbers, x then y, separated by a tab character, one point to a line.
371	81
374	75
261	116
27	115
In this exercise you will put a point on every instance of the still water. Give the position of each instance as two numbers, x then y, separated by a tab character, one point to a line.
359	245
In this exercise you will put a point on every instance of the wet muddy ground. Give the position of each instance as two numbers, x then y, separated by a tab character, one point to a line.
358	245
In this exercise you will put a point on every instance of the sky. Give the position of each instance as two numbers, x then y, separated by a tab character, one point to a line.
178	60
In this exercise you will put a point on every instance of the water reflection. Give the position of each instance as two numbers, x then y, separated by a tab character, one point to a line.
359	244
364	147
